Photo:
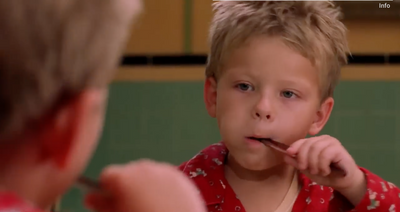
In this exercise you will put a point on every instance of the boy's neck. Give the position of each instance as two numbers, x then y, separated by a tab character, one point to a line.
265	189
25	177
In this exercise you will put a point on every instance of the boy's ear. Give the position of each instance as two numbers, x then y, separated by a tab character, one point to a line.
210	96
62	131
322	116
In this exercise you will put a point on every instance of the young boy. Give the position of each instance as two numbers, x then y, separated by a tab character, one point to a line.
56	59
271	73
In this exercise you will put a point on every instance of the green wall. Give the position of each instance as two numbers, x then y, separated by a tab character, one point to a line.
168	122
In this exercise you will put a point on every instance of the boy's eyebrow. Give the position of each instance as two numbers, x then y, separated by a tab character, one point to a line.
297	82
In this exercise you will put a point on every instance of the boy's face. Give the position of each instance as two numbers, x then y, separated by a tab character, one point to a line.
266	90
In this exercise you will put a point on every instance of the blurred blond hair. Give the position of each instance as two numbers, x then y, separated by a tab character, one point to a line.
51	50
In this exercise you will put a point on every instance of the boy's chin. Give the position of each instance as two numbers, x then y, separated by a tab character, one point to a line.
254	163
263	166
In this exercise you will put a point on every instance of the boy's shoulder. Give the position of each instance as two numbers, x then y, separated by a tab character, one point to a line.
212	158
11	202
206	169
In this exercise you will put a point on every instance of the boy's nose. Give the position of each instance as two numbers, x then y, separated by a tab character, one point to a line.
268	116
263	110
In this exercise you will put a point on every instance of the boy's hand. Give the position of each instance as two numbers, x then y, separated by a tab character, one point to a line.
145	186
314	156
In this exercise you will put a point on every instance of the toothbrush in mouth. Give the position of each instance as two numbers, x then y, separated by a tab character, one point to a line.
281	147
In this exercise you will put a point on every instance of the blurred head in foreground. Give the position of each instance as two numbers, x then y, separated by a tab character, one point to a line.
56	60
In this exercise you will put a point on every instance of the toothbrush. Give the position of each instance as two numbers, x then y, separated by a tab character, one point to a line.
87	184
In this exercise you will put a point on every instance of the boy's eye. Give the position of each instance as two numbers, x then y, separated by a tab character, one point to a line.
244	86
288	94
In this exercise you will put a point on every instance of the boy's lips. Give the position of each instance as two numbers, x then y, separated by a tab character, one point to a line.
254	142
255	137
260	139
271	143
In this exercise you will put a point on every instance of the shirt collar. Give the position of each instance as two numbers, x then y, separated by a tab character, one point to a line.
206	169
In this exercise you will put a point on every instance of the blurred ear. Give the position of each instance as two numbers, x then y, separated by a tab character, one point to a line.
63	130
322	116
210	96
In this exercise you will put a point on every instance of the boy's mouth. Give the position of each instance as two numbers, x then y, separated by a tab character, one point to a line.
260	139
272	144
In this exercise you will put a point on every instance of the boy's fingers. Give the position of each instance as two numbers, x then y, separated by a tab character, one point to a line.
134	186
324	162
110	179
313	155
291	161
302	154
328	155
294	148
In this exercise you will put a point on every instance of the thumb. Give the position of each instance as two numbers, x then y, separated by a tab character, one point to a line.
291	161
294	148
111	181
104	200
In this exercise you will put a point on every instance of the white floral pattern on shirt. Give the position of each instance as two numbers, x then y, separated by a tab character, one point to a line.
207	167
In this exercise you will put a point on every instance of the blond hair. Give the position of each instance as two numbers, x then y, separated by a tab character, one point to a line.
51	50
311	28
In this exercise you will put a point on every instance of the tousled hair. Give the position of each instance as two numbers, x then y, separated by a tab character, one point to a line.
53	49
312	28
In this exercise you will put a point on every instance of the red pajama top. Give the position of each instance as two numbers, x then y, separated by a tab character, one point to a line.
10	202
207	172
